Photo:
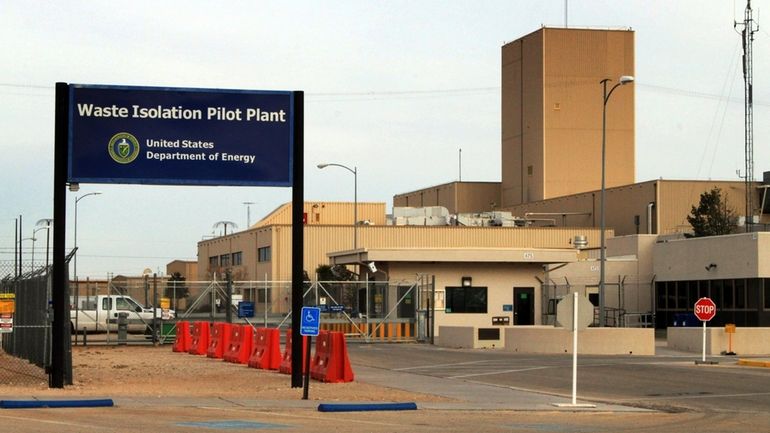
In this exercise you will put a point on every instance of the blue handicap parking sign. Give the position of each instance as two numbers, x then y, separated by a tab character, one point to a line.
311	319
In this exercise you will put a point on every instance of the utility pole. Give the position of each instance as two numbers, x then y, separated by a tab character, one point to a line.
748	27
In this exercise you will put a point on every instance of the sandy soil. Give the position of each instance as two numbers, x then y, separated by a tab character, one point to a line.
136	371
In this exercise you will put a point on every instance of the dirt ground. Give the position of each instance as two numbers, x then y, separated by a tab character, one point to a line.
138	371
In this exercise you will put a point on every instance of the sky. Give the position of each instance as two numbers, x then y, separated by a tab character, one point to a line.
393	88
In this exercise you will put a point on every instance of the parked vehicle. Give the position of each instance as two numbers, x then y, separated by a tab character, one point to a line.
100	313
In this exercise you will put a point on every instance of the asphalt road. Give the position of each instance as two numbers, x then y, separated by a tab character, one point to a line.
668	382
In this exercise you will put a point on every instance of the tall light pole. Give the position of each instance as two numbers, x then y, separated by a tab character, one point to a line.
21	266
354	170
33	244
47	222
625	79
248	213
75	256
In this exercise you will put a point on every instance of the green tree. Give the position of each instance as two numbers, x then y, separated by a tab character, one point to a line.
176	288
712	216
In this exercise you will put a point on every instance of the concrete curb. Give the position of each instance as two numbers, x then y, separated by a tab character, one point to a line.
754	363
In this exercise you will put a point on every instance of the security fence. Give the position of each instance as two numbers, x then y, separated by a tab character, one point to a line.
25	327
627	299
363	310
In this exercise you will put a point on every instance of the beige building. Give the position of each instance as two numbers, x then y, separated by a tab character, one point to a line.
457	197
186	268
552	113
264	251
733	270
479	287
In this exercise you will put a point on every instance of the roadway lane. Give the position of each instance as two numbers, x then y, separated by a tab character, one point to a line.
672	383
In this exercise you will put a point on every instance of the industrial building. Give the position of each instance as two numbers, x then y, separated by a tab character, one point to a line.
541	236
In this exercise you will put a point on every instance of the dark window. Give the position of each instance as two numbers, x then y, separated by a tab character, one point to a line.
766	291
224	259
671	295
728	295
263	254
703	289
753	292
717	289
681	295
214	262
692	292
660	299
237	258
740	294
263	294
466	299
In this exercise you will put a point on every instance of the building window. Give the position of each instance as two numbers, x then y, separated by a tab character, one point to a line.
237	258
213	262
224	260
766	292
466	300
263	295
263	254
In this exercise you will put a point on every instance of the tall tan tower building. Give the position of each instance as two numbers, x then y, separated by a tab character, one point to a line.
552	113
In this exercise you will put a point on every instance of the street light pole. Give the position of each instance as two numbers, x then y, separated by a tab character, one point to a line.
33	244
75	256
354	170
625	79
48	222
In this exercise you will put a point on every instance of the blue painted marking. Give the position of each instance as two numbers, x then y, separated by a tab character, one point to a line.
232	425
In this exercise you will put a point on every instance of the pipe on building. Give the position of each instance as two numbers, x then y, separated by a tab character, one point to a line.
650	205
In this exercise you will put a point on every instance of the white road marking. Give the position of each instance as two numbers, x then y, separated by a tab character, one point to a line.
420	367
51	422
496	372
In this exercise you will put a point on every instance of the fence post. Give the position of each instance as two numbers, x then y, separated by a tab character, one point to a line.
155	327
229	300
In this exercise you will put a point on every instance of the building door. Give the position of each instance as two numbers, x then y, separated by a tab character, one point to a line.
406	306
523	305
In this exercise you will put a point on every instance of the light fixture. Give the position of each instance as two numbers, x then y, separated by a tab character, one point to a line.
467	281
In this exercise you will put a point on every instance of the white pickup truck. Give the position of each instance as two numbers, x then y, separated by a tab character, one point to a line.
100	313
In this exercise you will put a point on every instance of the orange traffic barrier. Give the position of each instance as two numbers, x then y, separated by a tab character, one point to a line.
266	349
239	349
331	362
219	338
199	340
285	366
182	342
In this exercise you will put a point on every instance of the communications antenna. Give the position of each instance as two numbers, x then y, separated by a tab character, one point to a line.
747	29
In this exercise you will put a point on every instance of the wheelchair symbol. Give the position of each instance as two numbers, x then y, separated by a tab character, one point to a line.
309	317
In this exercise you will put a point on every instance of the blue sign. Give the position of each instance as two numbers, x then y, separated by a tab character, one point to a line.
337	308
245	309
311	319
507	307
178	136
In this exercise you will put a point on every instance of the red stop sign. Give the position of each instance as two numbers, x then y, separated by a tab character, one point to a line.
705	309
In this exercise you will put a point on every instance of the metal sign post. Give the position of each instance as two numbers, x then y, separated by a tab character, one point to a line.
705	309
311	320
577	324
173	136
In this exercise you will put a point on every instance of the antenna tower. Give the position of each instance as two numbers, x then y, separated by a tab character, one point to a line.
747	29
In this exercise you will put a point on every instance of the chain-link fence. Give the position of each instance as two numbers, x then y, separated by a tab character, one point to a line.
25	327
366	310
627	299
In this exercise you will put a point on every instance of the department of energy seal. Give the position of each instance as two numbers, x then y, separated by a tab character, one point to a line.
123	147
